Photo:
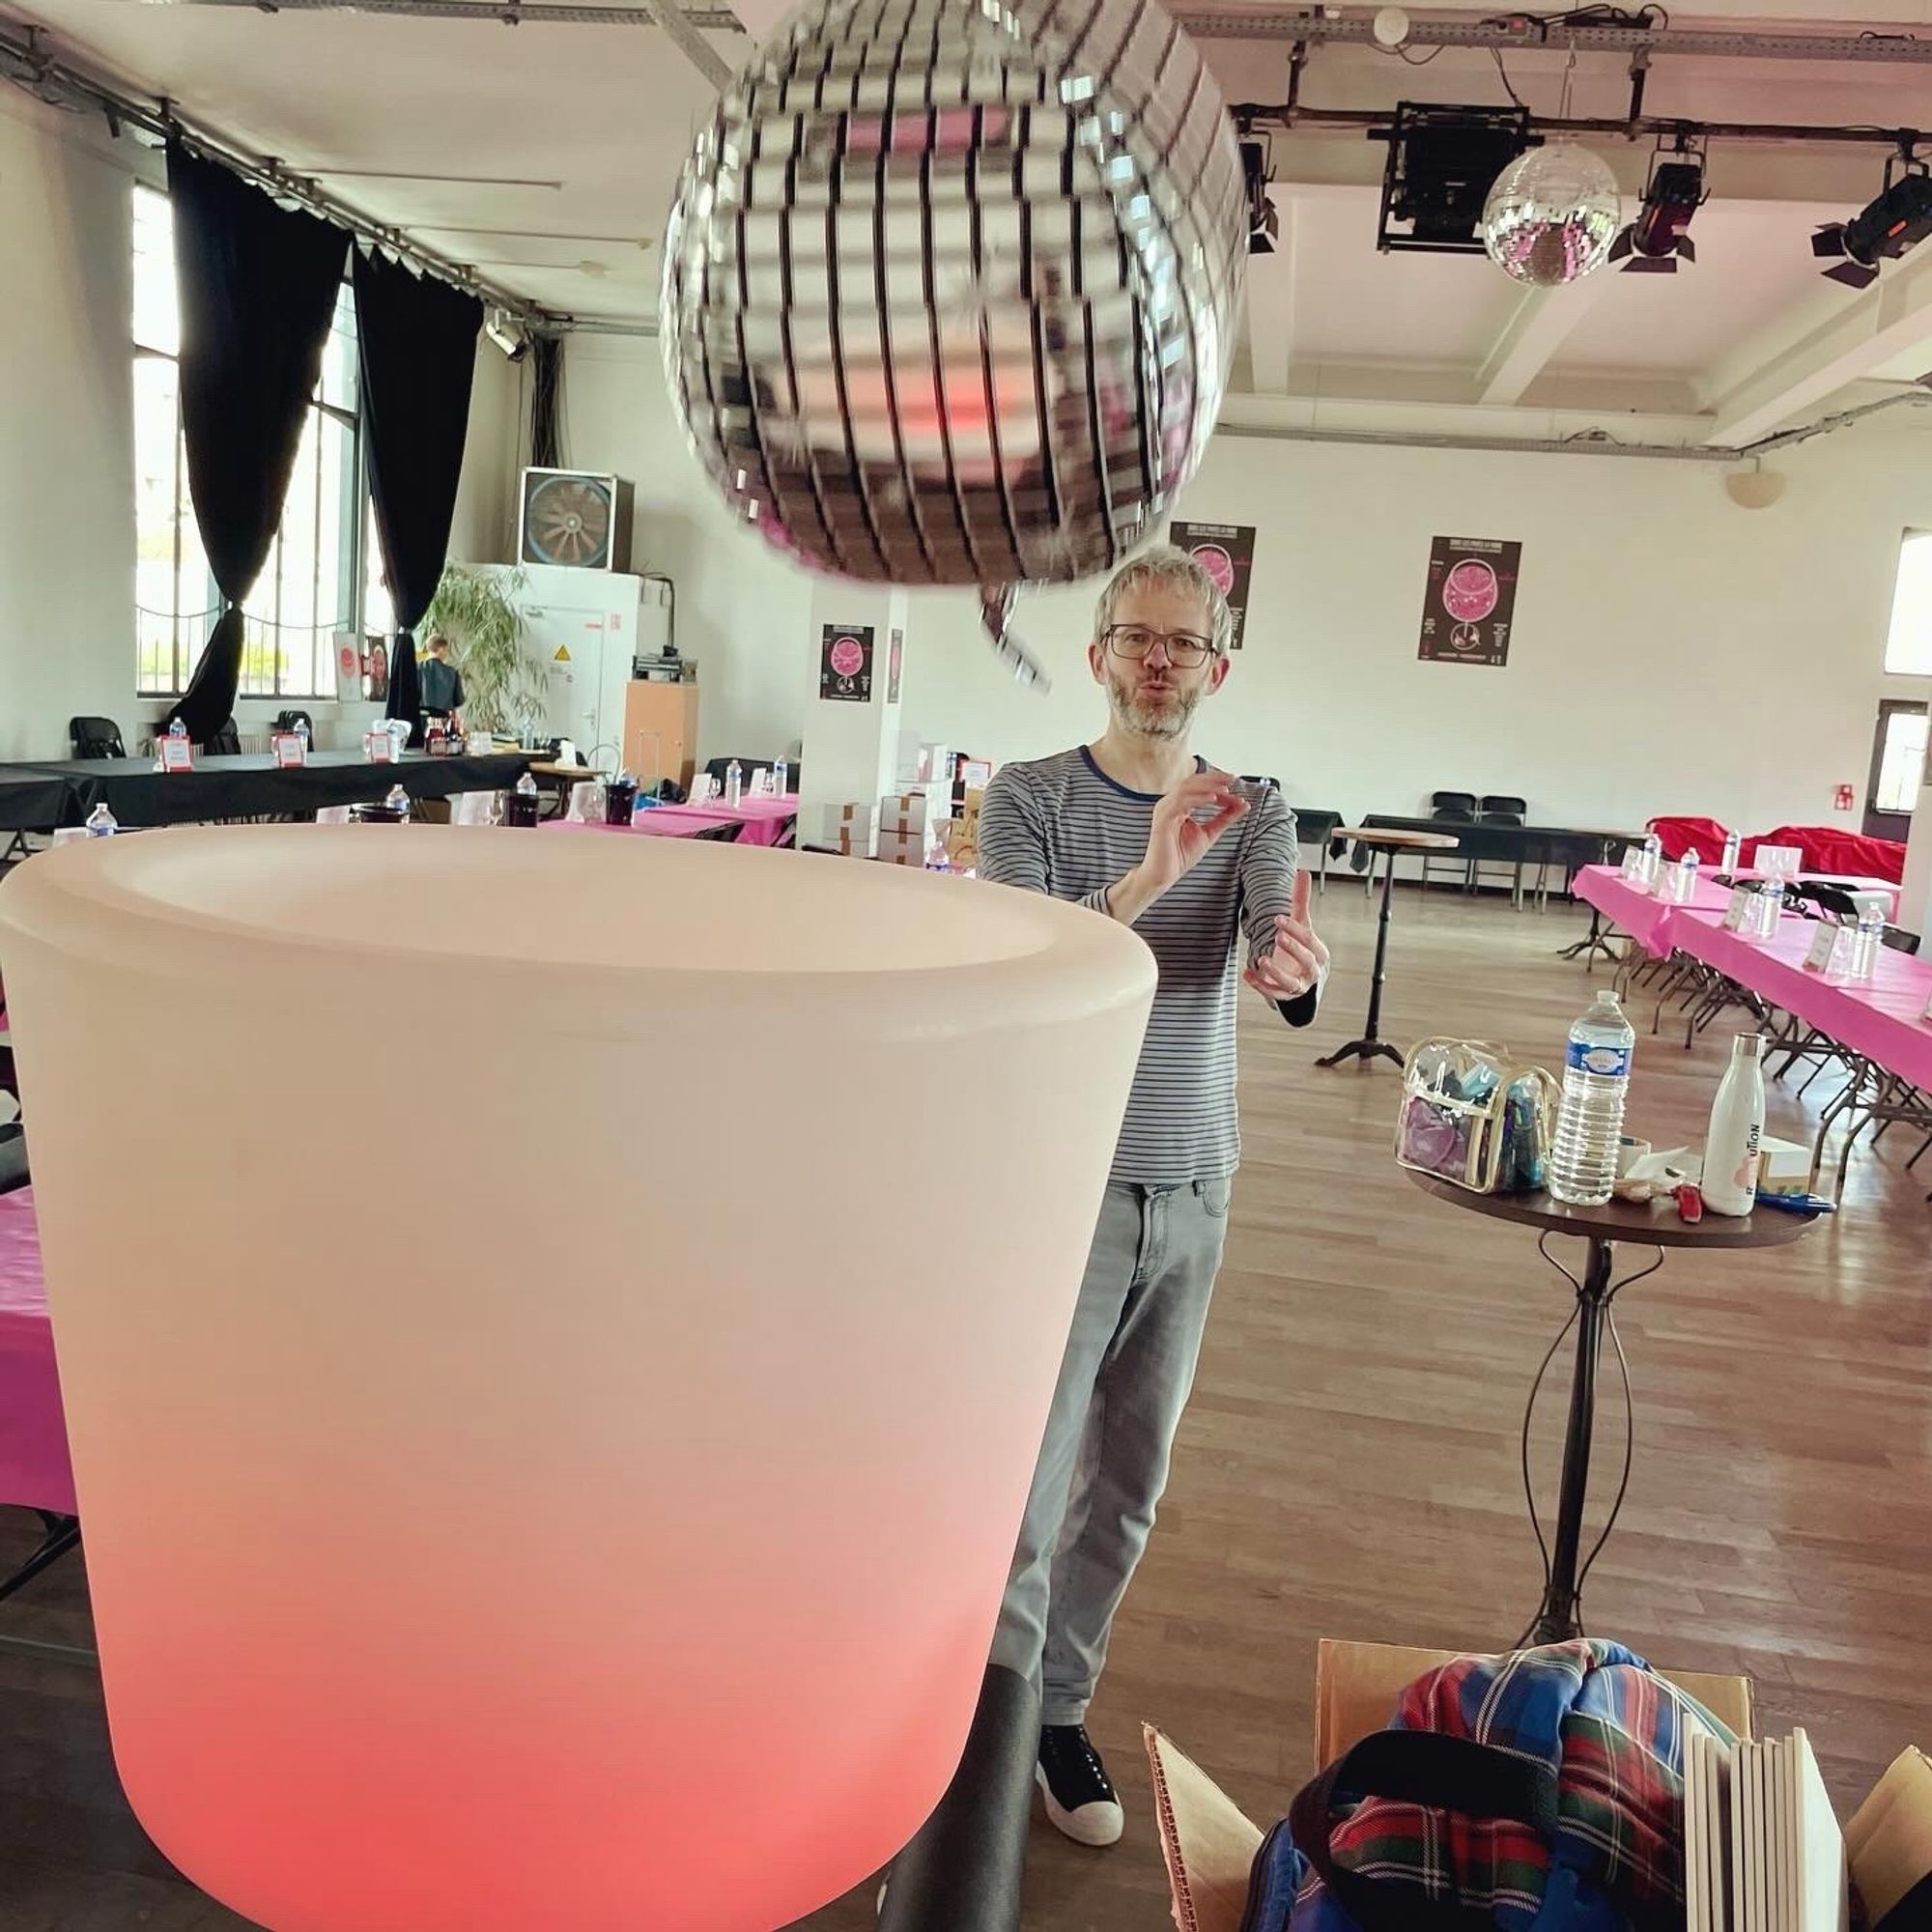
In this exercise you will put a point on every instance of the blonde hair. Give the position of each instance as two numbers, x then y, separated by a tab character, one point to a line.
1164	567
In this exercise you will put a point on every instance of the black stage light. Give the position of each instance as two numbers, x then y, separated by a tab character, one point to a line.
1901	219
1264	223
1655	241
1442	163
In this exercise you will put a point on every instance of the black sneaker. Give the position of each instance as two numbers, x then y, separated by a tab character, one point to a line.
1079	1798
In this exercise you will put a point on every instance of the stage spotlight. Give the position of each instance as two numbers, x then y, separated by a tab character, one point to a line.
1264	223
1899	219
1656	241
507	333
1443	162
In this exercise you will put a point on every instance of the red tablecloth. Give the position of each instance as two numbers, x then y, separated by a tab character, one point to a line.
33	1468
764	819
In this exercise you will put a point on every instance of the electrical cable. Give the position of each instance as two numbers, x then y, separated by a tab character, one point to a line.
1630	1424
1496	55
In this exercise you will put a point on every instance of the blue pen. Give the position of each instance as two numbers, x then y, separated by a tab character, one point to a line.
1798	1204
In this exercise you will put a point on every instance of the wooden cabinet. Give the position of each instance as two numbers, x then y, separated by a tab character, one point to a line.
661	731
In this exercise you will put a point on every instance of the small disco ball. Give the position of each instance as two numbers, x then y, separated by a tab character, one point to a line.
1551	214
950	286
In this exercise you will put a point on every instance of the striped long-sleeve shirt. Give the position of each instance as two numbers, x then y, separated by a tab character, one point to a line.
1061	825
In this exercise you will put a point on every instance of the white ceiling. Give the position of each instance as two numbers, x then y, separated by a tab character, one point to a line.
1746	339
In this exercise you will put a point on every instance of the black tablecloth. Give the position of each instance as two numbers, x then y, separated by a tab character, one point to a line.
252	785
32	798
1524	844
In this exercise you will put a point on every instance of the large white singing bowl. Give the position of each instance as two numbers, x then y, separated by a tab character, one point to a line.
555	1333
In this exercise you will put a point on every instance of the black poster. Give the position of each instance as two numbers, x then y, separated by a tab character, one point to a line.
846	663
1226	552
1470	602
894	664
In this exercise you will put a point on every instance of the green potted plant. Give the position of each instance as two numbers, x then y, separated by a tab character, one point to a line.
485	629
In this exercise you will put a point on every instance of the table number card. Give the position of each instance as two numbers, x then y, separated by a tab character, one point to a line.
288	750
1829	945
379	747
177	754
1739	906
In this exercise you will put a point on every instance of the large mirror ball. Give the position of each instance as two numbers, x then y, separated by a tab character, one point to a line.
949	287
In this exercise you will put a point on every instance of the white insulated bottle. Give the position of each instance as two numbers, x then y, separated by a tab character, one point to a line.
1734	1145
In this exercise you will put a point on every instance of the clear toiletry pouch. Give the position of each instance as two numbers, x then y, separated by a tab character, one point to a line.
1471	1117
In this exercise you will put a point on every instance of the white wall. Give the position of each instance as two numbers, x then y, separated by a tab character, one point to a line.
1671	652
66	462
67	455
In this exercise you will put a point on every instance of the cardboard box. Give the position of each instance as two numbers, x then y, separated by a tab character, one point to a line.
1210	1844
1357	1686
904	813
848	829
893	851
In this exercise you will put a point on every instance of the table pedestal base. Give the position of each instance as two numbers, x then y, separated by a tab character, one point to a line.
1560	1614
1372	1046
1361	1049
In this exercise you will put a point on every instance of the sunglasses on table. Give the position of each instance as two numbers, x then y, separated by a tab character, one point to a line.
1185	650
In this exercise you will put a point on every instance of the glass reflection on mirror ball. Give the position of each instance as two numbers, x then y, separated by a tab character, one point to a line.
1551	214
950	286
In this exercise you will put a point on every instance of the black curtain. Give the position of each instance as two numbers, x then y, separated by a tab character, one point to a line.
258	286
418	344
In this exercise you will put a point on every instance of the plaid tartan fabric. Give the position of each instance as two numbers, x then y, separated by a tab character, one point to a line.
1614	1734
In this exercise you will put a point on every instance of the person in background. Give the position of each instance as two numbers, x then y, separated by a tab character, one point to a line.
441	684
1203	867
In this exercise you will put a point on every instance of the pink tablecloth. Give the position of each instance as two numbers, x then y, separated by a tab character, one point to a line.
1646	917
1880	1017
1651	919
764	819
33	1468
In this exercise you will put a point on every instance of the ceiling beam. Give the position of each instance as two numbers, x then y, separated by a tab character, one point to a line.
1270	309
1543	318
1815	349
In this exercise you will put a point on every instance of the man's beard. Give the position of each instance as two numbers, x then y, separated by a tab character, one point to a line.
1150	721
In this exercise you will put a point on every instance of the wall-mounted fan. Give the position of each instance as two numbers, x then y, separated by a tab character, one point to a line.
575	518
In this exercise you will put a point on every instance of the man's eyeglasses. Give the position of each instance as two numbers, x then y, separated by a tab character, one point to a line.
1185	650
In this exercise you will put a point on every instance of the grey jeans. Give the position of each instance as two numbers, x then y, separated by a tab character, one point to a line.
1128	1369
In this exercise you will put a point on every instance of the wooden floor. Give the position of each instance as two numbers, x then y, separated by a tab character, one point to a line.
1350	1464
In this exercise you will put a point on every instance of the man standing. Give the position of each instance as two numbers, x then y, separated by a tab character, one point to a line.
441	684
1135	826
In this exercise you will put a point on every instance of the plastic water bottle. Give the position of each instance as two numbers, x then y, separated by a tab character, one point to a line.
1684	876
301	737
175	728
1653	860
1866	940
398	802
101	823
1590	1121
734	782
1733	845
781	776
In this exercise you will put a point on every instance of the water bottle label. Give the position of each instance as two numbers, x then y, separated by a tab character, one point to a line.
1608	1061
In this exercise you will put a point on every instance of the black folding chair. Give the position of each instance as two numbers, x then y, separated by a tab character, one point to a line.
95	738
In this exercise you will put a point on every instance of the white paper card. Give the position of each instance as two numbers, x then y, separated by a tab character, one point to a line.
1831	949
177	754
1739	906
289	751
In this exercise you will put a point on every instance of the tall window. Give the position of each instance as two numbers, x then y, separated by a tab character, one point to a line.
1908	647
311	585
